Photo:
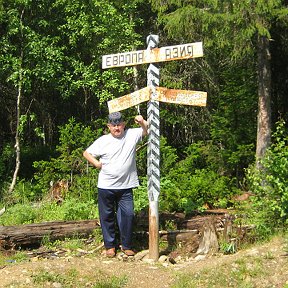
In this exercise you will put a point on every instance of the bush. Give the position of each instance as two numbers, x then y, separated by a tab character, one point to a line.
71	209
140	196
19	214
195	191
270	185
70	164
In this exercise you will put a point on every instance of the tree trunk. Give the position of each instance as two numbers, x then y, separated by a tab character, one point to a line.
18	114
32	235
17	136
264	99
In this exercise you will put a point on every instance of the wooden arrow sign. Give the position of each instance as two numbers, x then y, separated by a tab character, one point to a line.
129	100
184	97
168	53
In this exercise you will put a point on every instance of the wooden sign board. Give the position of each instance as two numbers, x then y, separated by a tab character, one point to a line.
184	97
168	53
129	100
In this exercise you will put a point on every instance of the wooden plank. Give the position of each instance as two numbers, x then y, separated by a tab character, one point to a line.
168	53
184	97
129	100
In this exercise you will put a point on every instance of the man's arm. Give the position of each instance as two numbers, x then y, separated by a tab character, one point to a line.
91	159
143	123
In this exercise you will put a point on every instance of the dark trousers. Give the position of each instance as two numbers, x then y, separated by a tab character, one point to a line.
121	201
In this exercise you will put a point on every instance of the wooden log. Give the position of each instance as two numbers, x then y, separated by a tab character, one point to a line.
198	222
188	222
31	235
178	236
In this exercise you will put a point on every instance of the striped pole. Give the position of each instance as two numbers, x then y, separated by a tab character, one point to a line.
153	153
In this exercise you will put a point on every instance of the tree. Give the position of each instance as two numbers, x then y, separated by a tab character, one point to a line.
238	28
15	77
50	54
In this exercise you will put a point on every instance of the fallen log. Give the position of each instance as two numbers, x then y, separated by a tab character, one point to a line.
181	222
183	238
198	221
31	235
188	228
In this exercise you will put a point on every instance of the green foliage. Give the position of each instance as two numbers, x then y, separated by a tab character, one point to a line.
57	47
17	257
193	183
168	155
6	163
228	247
190	184
269	183
167	162
70	164
19	214
221	24
233	125
140	196
196	191
75	209
71	209
24	192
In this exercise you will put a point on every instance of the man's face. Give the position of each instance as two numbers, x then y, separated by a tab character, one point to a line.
116	130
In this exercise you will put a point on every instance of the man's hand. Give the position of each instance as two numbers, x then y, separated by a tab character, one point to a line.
139	119
95	162
143	123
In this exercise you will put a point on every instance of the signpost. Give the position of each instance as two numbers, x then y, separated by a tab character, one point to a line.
153	94
154	55
153	152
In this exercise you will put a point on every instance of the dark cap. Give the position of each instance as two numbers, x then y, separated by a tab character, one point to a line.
115	118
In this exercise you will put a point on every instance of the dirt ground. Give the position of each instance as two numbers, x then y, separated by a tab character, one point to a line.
141	273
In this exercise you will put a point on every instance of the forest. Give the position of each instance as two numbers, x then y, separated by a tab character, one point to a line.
54	94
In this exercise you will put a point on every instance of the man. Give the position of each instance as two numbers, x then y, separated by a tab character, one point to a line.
114	154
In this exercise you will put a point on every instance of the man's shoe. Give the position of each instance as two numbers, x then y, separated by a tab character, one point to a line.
128	252
110	252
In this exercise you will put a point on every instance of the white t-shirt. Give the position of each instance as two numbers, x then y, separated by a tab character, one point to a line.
117	156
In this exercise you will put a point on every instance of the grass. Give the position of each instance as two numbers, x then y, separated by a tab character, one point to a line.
12	258
263	268
245	272
71	278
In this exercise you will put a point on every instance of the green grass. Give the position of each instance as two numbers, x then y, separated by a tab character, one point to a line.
246	272
12	258
71	279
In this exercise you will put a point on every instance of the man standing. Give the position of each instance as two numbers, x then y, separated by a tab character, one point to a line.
115	155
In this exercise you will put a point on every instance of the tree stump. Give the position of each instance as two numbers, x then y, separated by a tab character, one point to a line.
209	240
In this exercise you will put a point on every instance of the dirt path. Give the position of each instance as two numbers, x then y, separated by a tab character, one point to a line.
139	273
